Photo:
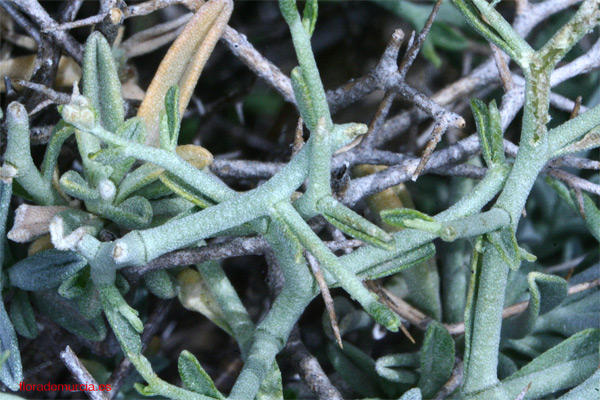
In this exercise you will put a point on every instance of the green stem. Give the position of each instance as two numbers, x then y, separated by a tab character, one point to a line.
483	335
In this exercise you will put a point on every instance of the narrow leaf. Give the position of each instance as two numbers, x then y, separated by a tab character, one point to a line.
11	371
101	82
45	270
436	359
66	314
195	378
21	315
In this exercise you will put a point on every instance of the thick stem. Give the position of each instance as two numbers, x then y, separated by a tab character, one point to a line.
484	338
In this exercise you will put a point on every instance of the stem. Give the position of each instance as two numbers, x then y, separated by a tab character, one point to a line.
484	336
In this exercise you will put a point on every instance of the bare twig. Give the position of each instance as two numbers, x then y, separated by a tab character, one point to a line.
234	248
421	321
309	368
574	181
327	299
414	48
453	382
82	375
37	13
576	108
505	76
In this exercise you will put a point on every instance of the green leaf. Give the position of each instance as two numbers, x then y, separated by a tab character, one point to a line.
45	270
436	359
412	394
303	99
21	315
309	16
160	284
398	216
170	122
133	213
505	242
195	378
353	224
489	128
185	191
65	313
446	37
18	155
349	318
144	390
5	195
74	286
101	82
592	215
137	179
11	371
565	365
123	319
399	368
74	185
60	133
546	293
588	390
356	368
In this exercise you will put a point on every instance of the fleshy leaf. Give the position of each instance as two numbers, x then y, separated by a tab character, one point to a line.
505	242
45	270
309	16
353	224
399	368
489	128
66	314
436	359
546	293
565	365
11	371
398	216
195	378
21	315
74	185
303	99
133	213
101	82
185	191
170	121
357	369
123	319
160	284
137	179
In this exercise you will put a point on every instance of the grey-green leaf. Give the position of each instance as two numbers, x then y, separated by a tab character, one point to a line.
21	315
74	185
399	368
309	16
194	377
396	217
546	293
45	270
357	369
11	371
65	313
160	284
101	82
436	359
